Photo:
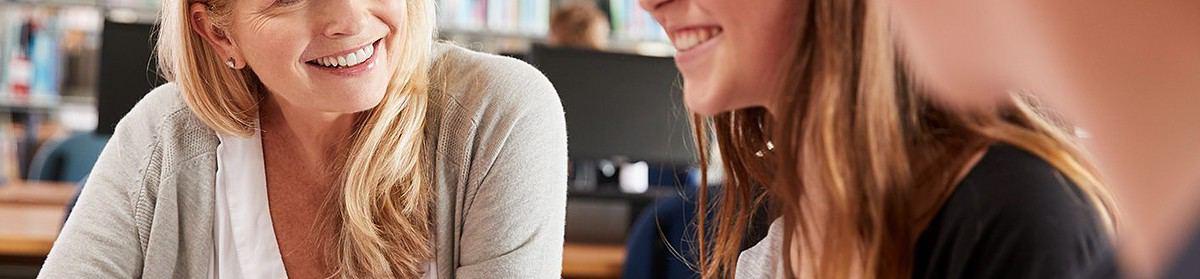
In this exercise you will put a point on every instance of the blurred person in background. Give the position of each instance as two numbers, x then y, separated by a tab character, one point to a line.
1128	72
816	119
579	24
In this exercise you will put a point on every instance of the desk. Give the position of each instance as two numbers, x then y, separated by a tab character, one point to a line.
592	260
31	214
29	230
36	193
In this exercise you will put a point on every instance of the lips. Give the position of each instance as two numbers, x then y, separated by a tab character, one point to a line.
346	59
689	38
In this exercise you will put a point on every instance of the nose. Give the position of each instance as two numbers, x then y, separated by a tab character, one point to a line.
651	5
655	7
345	18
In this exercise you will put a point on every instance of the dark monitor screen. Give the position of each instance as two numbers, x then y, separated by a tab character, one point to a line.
127	71
619	104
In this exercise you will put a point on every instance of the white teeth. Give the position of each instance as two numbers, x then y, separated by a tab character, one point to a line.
690	38
348	60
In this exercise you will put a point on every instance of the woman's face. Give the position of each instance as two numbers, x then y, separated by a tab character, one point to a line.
963	48
321	56
730	52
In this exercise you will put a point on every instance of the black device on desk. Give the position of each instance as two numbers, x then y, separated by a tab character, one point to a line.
619	104
616	105
127	71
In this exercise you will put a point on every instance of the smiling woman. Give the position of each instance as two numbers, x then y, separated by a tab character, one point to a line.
303	138
868	176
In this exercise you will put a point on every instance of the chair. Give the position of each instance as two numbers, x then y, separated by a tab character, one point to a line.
658	245
662	241
68	160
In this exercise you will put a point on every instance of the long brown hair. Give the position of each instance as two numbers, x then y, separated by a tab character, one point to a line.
856	161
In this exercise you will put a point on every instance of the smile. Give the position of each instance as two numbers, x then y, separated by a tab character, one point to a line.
687	39
347	59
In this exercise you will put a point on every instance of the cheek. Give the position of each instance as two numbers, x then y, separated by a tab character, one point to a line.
764	49
956	47
273	51
750	56
394	14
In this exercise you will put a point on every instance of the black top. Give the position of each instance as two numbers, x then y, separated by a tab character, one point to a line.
1013	216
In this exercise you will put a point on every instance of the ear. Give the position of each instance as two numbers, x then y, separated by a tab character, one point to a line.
216	37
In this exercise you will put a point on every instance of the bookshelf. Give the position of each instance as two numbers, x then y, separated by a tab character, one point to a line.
48	61
515	25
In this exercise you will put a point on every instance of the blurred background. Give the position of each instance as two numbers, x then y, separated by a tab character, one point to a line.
70	69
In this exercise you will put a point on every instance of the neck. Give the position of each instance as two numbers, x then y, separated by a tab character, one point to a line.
315	135
1147	144
1138	92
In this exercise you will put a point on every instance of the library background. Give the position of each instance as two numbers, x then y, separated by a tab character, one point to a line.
70	69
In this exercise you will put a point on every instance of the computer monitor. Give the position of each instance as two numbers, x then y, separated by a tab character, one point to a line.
127	71
619	104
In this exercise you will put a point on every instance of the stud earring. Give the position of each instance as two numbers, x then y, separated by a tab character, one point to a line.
231	63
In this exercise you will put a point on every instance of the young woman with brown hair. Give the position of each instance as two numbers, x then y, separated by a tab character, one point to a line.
815	118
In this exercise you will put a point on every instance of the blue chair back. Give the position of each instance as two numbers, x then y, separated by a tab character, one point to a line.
68	160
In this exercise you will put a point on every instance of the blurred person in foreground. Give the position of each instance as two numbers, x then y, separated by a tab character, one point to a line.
1128	72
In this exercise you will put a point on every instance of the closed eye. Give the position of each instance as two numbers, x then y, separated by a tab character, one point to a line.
285	3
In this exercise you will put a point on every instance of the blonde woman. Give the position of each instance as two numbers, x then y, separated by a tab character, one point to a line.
314	139
815	120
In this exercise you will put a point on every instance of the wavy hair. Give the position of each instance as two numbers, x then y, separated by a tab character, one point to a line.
861	160
383	220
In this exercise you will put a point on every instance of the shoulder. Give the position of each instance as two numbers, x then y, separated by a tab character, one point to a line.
162	116
763	259
1014	199
159	131
1010	182
490	84
162	107
1013	216
165	101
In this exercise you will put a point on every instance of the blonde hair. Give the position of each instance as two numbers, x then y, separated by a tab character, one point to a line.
862	161
384	220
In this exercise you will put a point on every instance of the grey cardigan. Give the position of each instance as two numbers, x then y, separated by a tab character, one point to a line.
495	138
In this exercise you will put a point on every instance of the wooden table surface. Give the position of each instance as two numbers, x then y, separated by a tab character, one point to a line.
37	193
593	260
31	215
29	230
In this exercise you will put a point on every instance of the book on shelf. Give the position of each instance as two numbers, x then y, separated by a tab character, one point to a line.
46	51
524	17
530	18
143	5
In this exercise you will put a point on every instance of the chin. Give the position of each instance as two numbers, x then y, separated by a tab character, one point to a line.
349	100
705	100
345	105
363	104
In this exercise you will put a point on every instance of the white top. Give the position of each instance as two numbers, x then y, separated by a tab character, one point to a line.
241	211
763	260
